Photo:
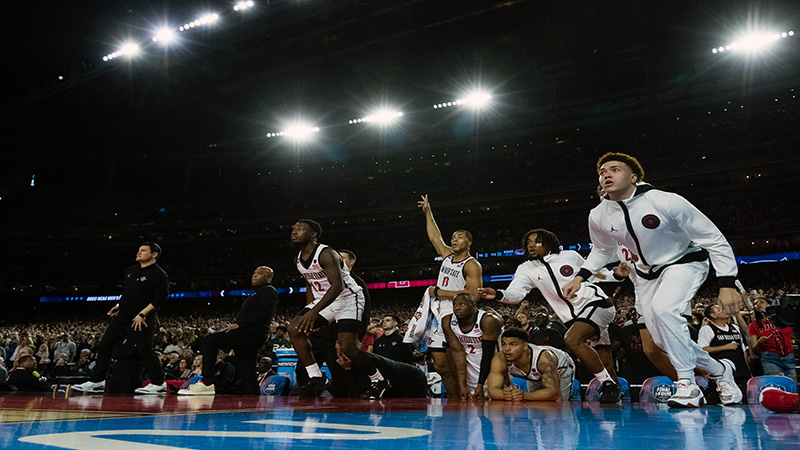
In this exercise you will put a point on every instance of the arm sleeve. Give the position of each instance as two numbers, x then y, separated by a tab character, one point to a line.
160	291
704	336
519	287
704	233
488	348
258	309
603	249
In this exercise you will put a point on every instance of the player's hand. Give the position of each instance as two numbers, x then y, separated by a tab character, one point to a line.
230	328
488	293
464	391
516	394
424	204
730	300
478	395
507	394
570	290
306	323
113	311
137	323
622	270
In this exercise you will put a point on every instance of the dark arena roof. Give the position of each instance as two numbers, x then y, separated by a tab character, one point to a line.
176	143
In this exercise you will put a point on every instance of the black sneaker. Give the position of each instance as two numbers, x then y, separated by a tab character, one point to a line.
311	388
609	392
376	390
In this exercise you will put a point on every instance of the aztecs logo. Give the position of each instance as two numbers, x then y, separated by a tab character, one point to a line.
567	271
651	221
417	315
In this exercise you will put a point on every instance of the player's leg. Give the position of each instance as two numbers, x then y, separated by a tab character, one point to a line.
575	340
302	346
657	356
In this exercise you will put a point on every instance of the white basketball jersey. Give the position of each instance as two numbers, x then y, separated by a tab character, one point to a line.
472	346
451	274
532	373
316	277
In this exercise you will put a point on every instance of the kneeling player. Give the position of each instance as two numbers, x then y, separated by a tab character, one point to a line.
472	335
550	372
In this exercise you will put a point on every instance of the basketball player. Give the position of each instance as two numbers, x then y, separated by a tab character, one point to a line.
332	295
671	242
459	272
548	370
587	315
654	353
471	335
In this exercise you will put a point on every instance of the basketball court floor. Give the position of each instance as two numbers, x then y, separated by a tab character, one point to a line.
171	422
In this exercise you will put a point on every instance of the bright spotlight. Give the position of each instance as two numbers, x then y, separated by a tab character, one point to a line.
164	36
299	132
129	49
476	99
241	6
382	117
753	42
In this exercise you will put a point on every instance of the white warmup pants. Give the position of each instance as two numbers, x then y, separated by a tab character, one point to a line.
664	302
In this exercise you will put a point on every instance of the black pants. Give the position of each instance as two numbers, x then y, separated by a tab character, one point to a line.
116	333
245	342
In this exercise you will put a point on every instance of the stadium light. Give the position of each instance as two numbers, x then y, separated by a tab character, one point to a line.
299	132
164	36
475	99
128	49
241	6
753	42
383	117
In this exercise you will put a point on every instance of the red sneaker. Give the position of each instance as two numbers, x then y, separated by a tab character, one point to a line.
778	401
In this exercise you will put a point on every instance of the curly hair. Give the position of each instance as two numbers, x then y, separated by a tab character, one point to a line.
628	160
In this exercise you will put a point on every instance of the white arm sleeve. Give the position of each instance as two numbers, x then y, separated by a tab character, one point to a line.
519	287
603	248
704	233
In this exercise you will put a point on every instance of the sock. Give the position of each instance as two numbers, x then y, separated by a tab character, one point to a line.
376	376
685	381
313	371
603	376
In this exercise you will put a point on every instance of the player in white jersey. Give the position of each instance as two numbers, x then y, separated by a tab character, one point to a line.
472	336
671	241
459	272
549	371
654	353
331	295
587	315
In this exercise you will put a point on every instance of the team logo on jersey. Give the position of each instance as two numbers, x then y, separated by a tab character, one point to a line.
567	271
651	221
613	229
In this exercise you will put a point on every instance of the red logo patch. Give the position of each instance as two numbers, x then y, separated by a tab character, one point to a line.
567	271
651	221
417	315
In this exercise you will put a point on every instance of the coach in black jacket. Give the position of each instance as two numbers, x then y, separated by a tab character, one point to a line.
245	337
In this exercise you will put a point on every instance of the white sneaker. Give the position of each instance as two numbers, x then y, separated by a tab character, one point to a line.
198	389
688	395
152	389
729	392
90	386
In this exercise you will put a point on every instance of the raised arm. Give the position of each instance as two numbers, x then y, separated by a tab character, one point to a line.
548	367
434	235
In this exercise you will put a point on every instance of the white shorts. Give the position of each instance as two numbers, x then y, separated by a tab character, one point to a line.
599	318
348	307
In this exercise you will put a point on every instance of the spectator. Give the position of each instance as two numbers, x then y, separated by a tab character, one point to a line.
66	346
544	334
25	378
390	344
722	339
773	343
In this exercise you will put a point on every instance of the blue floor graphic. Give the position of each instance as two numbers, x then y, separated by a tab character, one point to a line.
433	425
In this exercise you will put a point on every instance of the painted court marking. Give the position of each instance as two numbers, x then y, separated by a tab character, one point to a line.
92	440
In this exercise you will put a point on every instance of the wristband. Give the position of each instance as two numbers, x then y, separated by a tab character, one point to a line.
142	316
436	291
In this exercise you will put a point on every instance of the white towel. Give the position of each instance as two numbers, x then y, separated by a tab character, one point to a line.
419	326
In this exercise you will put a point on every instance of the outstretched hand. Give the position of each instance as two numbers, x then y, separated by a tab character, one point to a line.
424	204
487	293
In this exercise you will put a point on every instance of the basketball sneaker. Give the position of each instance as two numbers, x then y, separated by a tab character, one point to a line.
311	388
376	389
729	392
152	389
198	389
90	386
687	395
609	392
778	401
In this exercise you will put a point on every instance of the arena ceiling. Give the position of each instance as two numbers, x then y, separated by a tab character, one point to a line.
227	85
